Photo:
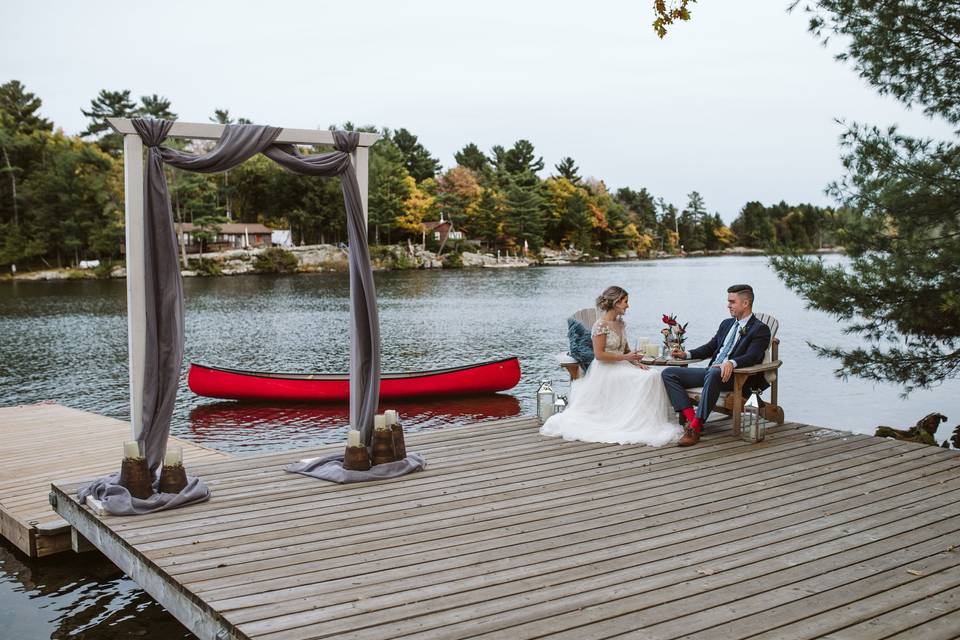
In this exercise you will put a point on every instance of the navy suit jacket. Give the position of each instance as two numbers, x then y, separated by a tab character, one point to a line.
748	350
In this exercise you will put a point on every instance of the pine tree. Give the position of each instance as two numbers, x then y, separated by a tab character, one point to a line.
692	232
416	158
488	219
522	159
21	106
568	169
18	120
472	158
524	218
222	116
899	290
108	104
154	106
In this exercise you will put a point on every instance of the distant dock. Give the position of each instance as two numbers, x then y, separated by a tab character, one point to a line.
507	534
41	443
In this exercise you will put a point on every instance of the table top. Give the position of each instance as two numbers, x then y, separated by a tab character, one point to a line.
664	362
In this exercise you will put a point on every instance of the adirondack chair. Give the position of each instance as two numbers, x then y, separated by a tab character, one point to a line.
731	402
586	317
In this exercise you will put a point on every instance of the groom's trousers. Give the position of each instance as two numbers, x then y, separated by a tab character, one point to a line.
678	379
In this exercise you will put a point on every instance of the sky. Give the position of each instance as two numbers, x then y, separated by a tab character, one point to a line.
739	104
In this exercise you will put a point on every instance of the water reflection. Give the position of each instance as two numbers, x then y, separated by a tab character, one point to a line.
66	341
256	427
76	596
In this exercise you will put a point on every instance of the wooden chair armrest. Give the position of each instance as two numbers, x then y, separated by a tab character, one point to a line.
758	368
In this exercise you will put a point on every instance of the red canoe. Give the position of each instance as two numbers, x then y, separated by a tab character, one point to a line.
232	384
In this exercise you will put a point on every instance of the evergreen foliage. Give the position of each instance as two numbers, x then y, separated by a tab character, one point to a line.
61	196
902	196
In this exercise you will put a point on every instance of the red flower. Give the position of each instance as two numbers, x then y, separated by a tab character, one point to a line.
666	319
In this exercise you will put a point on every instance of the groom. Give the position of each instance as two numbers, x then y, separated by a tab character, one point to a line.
740	342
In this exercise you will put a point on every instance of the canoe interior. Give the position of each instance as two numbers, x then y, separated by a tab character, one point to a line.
343	376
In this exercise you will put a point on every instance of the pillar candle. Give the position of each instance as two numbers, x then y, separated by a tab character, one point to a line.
392	417
131	449
173	457
353	438
379	421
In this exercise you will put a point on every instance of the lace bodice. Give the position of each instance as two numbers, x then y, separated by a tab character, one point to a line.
615	331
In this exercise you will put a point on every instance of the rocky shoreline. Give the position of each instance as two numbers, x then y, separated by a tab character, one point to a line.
326	257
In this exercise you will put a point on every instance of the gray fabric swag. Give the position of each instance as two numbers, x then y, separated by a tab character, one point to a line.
331	468
164	291
117	501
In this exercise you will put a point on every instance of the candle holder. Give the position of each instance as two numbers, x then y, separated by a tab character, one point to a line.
382	445
356	459
173	478
135	477
399	445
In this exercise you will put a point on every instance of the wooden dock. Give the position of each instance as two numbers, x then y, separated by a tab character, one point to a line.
44	442
510	535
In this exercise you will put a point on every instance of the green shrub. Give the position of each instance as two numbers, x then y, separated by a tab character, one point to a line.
276	260
453	260
103	269
205	266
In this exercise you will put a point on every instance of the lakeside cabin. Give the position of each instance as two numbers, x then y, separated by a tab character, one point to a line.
442	231
231	235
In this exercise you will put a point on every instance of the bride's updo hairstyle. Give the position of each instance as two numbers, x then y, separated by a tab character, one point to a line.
610	297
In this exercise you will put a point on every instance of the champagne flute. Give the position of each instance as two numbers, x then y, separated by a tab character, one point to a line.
642	346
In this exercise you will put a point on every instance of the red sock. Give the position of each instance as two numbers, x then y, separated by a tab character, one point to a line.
696	424
689	414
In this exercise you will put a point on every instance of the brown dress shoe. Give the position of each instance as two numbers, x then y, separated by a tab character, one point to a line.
690	437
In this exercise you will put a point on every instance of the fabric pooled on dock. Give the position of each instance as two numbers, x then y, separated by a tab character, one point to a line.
331	468
117	501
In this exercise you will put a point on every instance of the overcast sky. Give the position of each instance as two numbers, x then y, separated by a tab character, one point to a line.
738	104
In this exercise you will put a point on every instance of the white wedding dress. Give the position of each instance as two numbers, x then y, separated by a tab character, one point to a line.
616	402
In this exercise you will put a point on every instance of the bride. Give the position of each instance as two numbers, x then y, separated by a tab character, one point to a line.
619	400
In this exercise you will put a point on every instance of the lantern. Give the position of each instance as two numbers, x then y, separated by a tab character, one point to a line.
545	399
753	426
559	404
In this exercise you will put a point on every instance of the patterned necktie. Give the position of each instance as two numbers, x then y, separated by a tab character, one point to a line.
728	345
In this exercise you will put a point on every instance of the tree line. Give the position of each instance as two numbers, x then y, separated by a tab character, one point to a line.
61	196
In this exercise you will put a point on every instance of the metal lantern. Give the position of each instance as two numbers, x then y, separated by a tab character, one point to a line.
753	427
560	404
545	399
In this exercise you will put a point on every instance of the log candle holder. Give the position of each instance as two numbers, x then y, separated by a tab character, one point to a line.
356	459
136	478
382	444
173	478
399	445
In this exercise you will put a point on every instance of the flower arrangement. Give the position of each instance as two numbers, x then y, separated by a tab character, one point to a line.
674	334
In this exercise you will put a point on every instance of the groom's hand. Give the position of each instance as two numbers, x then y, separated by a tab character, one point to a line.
679	354
726	370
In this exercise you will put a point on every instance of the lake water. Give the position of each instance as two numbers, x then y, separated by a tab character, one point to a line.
66	341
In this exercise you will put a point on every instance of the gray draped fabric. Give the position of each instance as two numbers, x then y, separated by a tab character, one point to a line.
330	468
117	501
164	291
163	287
364	320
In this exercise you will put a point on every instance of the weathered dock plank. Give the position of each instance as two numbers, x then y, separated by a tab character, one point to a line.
44	442
507	534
